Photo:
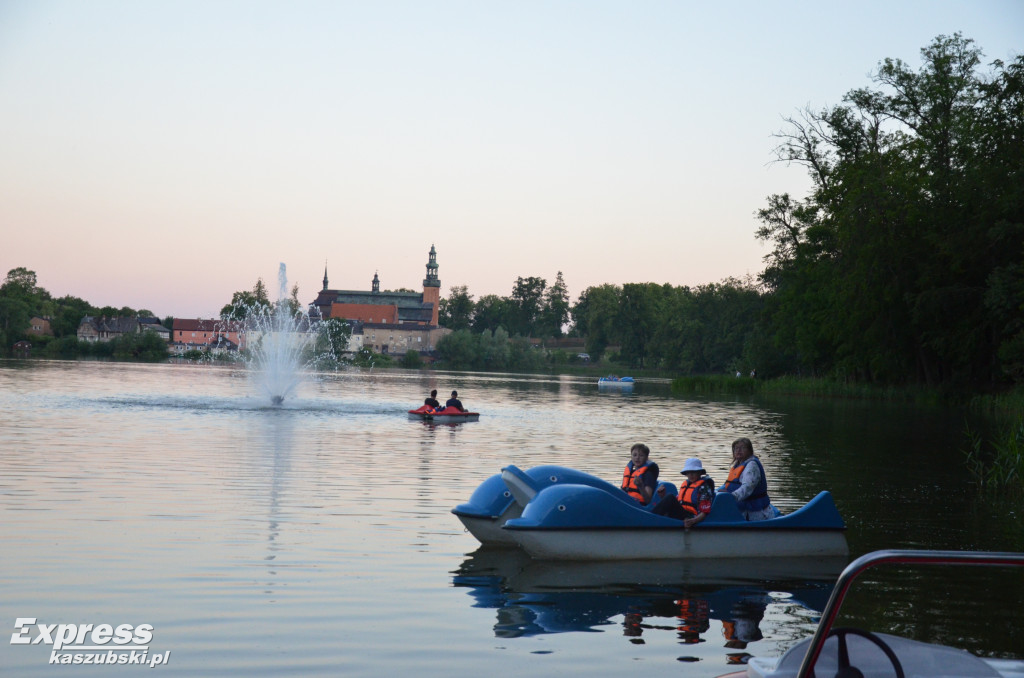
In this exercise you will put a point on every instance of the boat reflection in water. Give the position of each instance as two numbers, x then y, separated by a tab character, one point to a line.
535	597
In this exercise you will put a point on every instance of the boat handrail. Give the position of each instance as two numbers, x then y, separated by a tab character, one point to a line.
889	557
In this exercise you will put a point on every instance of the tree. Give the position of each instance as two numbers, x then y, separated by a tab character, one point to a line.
333	338
493	349
639	312
20	299
411	360
595	317
245	302
294	305
68	314
886	271
526	303
491	313
554	312
145	346
459	350
456	312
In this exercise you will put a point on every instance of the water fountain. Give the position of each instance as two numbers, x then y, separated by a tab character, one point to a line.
280	344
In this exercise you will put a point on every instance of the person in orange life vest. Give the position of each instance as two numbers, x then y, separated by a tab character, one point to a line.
432	400
695	495
747	482
640	477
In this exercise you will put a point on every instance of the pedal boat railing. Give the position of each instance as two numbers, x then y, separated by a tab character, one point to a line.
892	557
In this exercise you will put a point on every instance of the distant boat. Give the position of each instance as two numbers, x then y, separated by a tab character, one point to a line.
613	382
443	415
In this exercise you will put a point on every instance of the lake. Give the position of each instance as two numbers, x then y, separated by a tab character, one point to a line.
240	539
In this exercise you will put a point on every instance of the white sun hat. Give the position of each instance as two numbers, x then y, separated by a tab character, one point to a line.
692	464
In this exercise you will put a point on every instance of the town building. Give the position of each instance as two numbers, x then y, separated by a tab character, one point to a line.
394	339
39	327
197	334
374	306
93	329
388	322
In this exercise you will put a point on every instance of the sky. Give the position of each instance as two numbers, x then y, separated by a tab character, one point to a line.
165	155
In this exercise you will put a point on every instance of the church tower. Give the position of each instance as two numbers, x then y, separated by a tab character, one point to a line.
432	285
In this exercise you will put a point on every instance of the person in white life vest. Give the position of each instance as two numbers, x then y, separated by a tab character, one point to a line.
748	484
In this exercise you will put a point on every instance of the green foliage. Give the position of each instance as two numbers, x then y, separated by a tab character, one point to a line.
492	350
365	357
554	312
902	265
705	330
464	350
998	466
456	312
142	346
594	317
333	337
67	346
492	312
244	302
559	357
20	298
459	350
526	303
68	314
411	360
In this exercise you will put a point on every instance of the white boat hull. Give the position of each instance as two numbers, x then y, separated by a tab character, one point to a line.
488	530
623	544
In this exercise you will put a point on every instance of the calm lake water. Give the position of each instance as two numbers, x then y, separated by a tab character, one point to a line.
316	539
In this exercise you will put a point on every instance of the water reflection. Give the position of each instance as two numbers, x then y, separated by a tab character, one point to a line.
682	598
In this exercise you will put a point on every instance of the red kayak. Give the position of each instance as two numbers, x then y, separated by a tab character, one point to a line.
443	415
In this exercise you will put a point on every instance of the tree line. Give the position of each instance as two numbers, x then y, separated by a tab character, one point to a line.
21	299
905	261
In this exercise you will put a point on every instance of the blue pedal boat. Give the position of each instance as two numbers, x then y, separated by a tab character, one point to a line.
549	513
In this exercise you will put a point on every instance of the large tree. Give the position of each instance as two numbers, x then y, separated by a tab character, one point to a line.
491	313
246	301
889	270
20	299
595	317
456	311
527	301
554	312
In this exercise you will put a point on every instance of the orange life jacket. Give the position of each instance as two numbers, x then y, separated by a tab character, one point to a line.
630	482
688	496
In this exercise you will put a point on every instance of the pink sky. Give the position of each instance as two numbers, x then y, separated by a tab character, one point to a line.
165	155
